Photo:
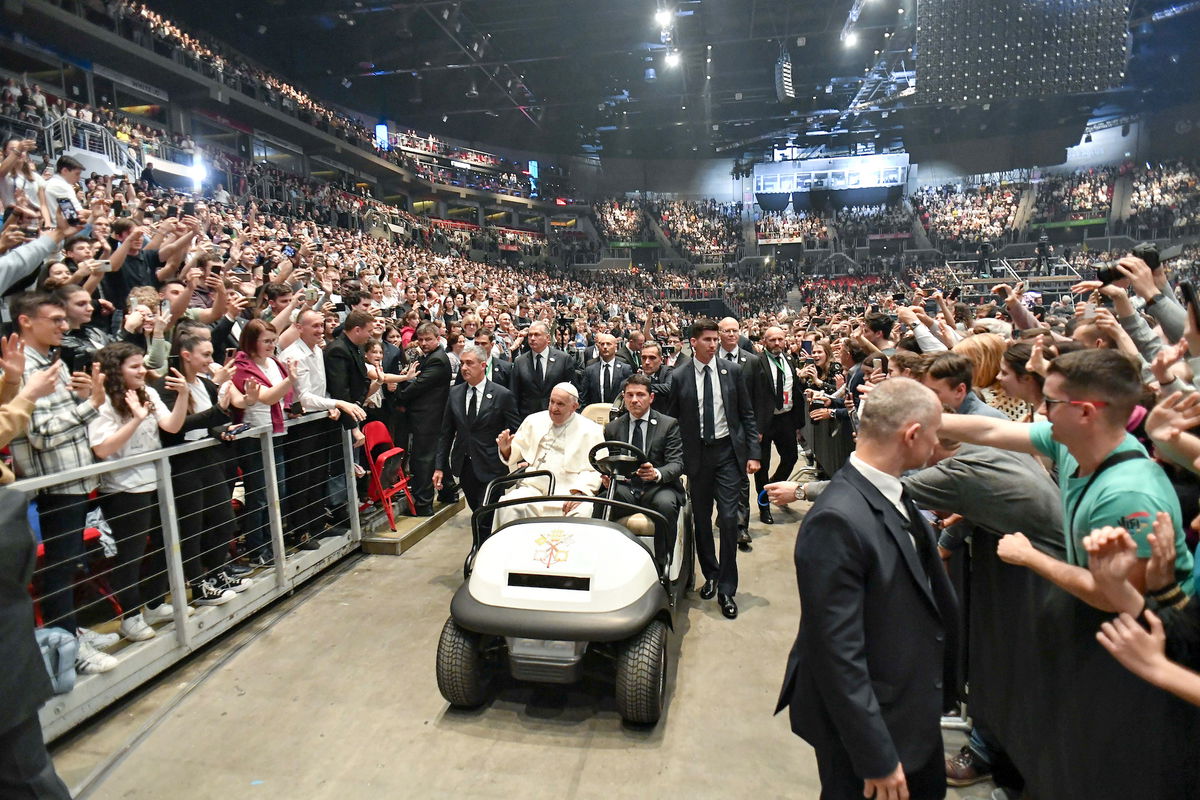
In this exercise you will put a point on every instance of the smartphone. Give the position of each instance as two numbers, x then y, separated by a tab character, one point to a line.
189	208
230	352
164	309
288	250
955	293
234	430
172	211
899	297
1190	300
106	266
117	207
67	208
1089	310
807	346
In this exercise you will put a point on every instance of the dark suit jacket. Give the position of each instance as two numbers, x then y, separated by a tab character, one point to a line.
426	394
346	371
876	646
634	360
762	390
663	445
24	684
684	406
497	411
533	396
589	391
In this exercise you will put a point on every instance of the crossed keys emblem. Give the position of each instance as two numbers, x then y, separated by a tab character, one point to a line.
551	548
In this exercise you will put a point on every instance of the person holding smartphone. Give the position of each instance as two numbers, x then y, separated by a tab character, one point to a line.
61	189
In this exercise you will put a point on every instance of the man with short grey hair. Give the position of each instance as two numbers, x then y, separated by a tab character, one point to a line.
866	678
535	373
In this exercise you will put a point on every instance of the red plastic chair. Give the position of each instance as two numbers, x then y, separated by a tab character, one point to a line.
384	457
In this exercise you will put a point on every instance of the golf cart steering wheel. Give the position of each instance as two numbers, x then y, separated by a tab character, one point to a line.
623	459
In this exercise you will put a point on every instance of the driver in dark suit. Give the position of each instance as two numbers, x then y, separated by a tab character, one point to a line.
867	675
657	485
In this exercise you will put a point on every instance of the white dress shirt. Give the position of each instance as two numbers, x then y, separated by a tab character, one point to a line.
309	378
779	364
478	390
720	425
888	485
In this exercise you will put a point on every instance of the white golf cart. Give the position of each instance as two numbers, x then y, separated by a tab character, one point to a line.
540	592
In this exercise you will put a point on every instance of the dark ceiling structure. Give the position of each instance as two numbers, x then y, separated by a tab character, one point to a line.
645	78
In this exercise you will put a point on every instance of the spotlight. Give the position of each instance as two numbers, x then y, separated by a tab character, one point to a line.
346	84
672	59
662	17
851	39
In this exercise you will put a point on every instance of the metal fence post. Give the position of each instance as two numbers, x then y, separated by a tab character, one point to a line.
351	486
173	551
274	508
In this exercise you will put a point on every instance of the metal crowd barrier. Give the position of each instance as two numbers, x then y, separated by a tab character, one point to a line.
177	637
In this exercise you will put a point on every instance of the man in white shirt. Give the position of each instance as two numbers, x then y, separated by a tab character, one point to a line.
61	185
312	449
557	440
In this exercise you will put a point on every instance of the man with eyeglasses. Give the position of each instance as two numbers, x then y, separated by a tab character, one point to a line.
56	440
1104	474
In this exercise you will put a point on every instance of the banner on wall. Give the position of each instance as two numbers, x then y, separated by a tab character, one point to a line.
132	83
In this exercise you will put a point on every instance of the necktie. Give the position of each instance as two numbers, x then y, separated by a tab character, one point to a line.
605	383
709	429
729	356
538	375
637	440
916	527
778	383
472	406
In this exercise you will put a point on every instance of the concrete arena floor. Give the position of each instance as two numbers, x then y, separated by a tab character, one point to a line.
338	699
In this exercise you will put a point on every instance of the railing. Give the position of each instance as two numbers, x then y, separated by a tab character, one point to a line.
71	132
187	540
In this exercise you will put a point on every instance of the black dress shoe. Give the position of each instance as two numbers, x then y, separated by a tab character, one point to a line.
764	514
708	589
743	541
309	543
728	607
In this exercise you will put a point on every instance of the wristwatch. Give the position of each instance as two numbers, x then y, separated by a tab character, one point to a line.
1154	299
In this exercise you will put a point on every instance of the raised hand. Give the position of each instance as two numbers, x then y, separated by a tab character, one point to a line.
504	442
136	407
175	381
1160	570
1173	415
41	383
1141	652
1037	357
252	390
12	356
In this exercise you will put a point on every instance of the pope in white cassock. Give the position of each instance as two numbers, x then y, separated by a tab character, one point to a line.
557	440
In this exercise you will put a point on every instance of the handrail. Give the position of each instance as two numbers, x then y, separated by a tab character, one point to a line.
40	482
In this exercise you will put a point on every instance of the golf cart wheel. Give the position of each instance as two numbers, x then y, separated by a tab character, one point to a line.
642	675
461	674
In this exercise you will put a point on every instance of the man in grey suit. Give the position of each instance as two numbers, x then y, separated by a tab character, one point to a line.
657	484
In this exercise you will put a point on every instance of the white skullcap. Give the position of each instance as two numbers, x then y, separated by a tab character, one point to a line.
569	388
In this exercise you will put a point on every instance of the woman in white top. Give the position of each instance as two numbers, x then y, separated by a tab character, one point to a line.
129	424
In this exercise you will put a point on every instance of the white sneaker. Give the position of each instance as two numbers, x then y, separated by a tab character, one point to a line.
90	661
135	629
206	593
98	640
164	612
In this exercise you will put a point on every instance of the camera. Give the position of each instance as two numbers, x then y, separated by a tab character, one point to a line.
1148	252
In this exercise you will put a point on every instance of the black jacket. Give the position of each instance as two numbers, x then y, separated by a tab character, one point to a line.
662	443
684	406
531	395
427	393
761	379
874	654
590	388
346	371
211	420
496	411
24	684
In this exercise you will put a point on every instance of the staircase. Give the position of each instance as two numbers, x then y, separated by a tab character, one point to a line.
1122	194
669	252
92	145
1025	209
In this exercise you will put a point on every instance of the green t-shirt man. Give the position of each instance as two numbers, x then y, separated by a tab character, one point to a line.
1129	494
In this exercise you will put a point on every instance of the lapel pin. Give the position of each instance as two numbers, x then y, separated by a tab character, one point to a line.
551	360
653	422
488	396
724	372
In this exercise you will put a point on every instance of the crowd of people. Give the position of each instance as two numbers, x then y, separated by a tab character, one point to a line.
1078	195
152	326
809	227
620	221
701	231
858	222
962	217
1165	198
